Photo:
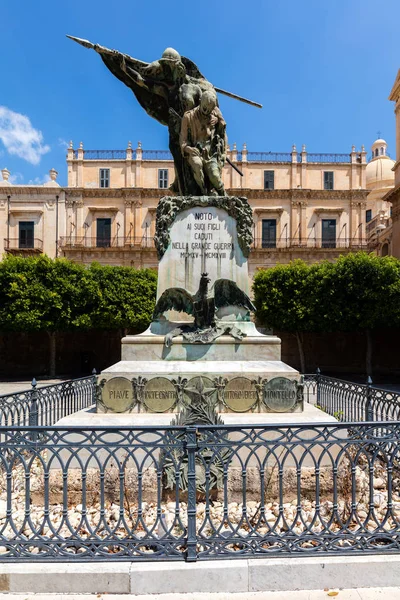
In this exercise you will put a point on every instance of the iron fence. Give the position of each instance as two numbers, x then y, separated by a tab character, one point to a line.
198	493
16	244
351	402
48	404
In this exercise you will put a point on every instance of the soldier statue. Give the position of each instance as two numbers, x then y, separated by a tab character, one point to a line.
167	89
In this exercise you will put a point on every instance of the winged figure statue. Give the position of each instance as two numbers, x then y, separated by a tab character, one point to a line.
203	305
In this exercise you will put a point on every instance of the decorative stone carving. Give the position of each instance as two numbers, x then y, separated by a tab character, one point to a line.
237	207
203	306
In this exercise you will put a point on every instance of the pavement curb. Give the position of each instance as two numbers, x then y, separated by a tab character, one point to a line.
223	576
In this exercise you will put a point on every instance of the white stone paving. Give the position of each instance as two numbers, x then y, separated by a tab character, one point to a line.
356	594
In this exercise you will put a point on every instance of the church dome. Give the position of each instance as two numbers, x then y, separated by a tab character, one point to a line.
379	172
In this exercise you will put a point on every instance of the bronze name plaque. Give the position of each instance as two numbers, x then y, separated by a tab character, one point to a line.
240	394
280	394
159	394
117	394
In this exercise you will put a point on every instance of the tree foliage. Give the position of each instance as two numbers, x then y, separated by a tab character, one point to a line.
357	292
41	294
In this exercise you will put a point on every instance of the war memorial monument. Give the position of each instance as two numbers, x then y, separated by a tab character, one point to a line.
202	353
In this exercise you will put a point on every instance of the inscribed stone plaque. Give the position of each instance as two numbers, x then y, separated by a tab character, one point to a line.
159	394
240	394
280	394
117	394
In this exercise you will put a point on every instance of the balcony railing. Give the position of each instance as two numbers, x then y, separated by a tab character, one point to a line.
330	158
85	242
265	157
156	155
269	157
16	245
379	222
309	243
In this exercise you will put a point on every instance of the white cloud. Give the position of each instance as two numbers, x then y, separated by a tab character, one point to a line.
16	178
20	138
39	180
64	144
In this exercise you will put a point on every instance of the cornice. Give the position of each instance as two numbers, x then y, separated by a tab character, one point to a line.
126	193
298	194
30	191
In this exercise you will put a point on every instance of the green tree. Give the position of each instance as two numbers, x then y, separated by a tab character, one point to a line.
285	299
126	297
360	292
40	294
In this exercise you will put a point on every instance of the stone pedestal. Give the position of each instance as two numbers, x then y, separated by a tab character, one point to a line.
162	373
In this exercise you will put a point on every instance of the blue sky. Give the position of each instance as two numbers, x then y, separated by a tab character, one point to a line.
322	70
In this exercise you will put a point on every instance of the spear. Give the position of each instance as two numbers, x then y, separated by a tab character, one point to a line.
104	50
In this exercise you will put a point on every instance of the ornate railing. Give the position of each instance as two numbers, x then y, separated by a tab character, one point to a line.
17	245
196	493
349	401
104	154
308	243
156	155
48	404
323	157
269	157
81	242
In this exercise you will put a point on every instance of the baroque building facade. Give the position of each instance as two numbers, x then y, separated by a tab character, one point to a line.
305	205
393	196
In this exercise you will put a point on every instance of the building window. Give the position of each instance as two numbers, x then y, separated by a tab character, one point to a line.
328	180
104	178
163	178
26	231
328	233
368	215
103	231
269	180
382	152
377	152
268	239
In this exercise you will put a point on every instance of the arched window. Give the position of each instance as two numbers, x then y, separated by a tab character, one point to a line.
385	250
377	152
382	151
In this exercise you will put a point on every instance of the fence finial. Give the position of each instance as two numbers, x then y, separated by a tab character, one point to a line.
94	372
34	383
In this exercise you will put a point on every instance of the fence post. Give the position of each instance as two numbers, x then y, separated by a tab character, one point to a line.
94	386
33	409
191	446
318	377
368	407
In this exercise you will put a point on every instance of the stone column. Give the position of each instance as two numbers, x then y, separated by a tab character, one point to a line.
293	170
294	221
353	172
128	166
70	168
128	222
79	181
243	180
363	168
303	220
138	171
303	177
